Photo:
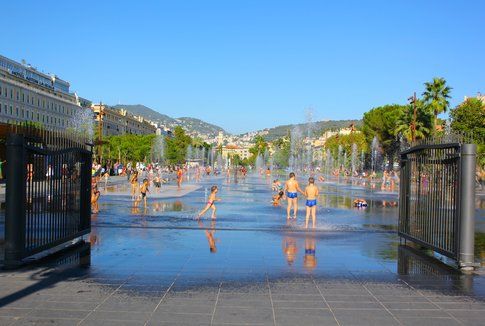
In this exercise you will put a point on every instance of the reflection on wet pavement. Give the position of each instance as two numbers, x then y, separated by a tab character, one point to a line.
157	265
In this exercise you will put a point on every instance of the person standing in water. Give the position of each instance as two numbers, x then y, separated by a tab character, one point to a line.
311	194
143	191
180	175
291	189
134	184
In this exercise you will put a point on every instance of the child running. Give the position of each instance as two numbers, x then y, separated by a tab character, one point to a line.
210	203
311	194
143	191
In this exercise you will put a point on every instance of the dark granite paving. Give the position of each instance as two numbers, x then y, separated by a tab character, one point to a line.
243	284
157	266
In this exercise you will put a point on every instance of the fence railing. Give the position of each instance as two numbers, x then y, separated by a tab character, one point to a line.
48	193
437	192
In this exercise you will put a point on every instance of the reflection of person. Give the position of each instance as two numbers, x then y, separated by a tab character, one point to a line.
211	203
291	189
209	233
311	194
310	260
289	249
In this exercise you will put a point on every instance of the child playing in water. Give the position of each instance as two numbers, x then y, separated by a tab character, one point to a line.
277	198
143	191
134	184
276	185
210	203
94	198
311	194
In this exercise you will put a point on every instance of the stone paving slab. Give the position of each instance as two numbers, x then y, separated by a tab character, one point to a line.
134	286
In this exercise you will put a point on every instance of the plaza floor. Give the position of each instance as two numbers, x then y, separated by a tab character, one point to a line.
157	266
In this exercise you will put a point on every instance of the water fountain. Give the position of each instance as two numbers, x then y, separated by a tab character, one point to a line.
83	124
296	146
158	149
354	159
189	154
203	156
309	148
375	154
260	164
339	157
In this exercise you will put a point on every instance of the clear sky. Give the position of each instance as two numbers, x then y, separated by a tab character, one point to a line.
246	65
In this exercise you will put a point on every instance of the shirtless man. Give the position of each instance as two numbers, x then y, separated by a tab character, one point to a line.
291	189
311	194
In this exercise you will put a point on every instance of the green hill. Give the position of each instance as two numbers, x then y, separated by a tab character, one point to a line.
191	125
318	128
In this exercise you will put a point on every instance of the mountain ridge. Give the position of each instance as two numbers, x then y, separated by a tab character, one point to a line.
195	126
191	125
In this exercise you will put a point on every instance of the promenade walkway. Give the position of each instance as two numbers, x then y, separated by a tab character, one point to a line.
159	266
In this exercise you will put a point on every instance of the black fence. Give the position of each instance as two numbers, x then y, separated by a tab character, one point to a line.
437	192
48	192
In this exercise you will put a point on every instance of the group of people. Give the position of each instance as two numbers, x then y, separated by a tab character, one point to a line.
290	192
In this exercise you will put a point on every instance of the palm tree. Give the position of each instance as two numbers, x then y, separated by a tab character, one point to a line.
436	96
413	126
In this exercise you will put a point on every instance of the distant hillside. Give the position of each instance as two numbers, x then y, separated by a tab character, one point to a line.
199	125
318	127
191	125
148	113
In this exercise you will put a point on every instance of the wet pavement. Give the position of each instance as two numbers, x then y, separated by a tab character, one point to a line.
158	266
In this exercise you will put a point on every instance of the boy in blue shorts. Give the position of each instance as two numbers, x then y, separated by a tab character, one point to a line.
291	189
311	194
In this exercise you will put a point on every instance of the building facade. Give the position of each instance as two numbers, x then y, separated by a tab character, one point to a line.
27	95
231	150
119	122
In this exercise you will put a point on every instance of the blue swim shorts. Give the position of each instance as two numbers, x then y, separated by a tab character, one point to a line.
292	194
311	202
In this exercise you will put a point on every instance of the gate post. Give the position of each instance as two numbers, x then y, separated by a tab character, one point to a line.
466	257
15	200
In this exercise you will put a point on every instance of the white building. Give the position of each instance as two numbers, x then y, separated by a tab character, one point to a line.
28	95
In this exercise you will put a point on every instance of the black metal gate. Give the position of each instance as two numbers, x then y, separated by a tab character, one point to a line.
48	194
437	199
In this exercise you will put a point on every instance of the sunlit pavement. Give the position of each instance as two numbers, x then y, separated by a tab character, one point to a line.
158	266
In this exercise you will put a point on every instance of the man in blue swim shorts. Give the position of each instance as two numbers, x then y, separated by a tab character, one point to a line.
311	194
291	190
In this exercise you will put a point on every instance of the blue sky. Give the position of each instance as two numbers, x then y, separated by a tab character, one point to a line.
246	65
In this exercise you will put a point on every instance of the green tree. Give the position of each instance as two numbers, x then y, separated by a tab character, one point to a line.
469	118
176	147
346	142
128	147
414	126
381	122
281	152
260	146
436	96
